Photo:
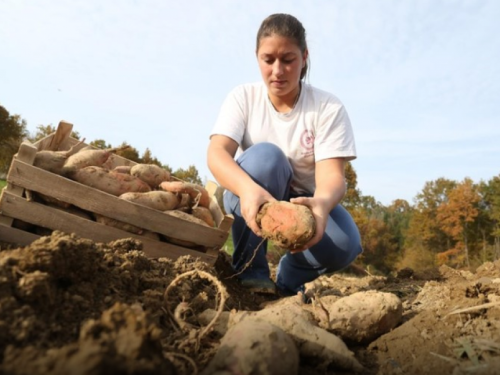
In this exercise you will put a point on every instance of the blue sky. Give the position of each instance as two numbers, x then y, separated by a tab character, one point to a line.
420	78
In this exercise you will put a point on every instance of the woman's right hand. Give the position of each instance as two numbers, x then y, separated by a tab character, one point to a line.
251	199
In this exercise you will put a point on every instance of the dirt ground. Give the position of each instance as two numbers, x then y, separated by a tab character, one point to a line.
71	306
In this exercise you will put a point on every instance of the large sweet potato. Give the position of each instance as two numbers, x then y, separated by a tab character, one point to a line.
110	182
87	157
157	200
255	347
151	174
363	316
288	225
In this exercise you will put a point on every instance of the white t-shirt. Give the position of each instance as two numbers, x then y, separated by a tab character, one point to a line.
317	128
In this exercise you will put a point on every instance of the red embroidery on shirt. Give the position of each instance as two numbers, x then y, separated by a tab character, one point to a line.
307	142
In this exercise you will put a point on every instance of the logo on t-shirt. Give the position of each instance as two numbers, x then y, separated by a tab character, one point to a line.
307	142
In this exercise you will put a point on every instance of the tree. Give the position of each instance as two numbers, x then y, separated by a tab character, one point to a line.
353	195
188	175
12	133
424	225
379	246
397	218
148	158
458	212
490	208
424	237
100	144
129	152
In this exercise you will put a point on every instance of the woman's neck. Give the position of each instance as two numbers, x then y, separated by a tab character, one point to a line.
284	104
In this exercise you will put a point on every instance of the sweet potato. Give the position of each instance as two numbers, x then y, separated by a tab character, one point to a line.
311	341
157	200
53	161
185	202
255	348
186	216
204	214
151	174
86	158
110	182
51	200
363	316
197	192
288	225
118	224
122	169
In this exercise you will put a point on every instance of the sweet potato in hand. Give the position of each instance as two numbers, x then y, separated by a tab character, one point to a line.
288	225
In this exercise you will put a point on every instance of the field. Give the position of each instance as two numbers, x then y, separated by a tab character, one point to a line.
69	303
2	184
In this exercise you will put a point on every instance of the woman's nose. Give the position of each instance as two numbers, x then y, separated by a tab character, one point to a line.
277	68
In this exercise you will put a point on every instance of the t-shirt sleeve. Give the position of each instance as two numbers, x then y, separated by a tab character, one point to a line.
231	120
334	135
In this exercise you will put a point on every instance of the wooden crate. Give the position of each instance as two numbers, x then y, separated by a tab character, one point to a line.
24	178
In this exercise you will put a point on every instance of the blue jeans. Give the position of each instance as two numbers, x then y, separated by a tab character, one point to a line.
268	166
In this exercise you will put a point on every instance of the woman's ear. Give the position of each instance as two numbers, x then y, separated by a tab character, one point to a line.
304	57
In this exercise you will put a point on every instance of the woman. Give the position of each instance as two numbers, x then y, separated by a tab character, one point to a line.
295	140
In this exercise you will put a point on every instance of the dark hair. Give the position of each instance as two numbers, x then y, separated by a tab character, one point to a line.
287	26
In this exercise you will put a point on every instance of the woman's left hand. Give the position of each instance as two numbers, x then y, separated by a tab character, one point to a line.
320	212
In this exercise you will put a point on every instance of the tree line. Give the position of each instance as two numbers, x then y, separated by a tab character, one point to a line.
13	131
456	223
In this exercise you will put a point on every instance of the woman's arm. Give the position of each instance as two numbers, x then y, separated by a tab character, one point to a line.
228	173
330	189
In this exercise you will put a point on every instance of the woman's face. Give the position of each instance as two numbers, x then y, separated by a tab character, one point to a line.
280	62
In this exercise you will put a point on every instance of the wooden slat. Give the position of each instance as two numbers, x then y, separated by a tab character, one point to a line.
16	236
224	222
27	154
62	133
57	219
96	201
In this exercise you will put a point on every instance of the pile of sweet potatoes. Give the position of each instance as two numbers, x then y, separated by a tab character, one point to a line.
145	184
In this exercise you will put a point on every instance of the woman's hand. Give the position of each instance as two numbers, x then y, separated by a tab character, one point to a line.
320	211
251	199
330	188
221	162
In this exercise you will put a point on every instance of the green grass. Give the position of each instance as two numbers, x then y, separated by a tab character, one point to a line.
228	246
274	253
2	184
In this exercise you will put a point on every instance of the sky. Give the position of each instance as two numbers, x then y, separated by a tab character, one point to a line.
420	79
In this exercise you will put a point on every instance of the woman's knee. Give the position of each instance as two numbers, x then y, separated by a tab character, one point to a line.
341	243
267	165
263	159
